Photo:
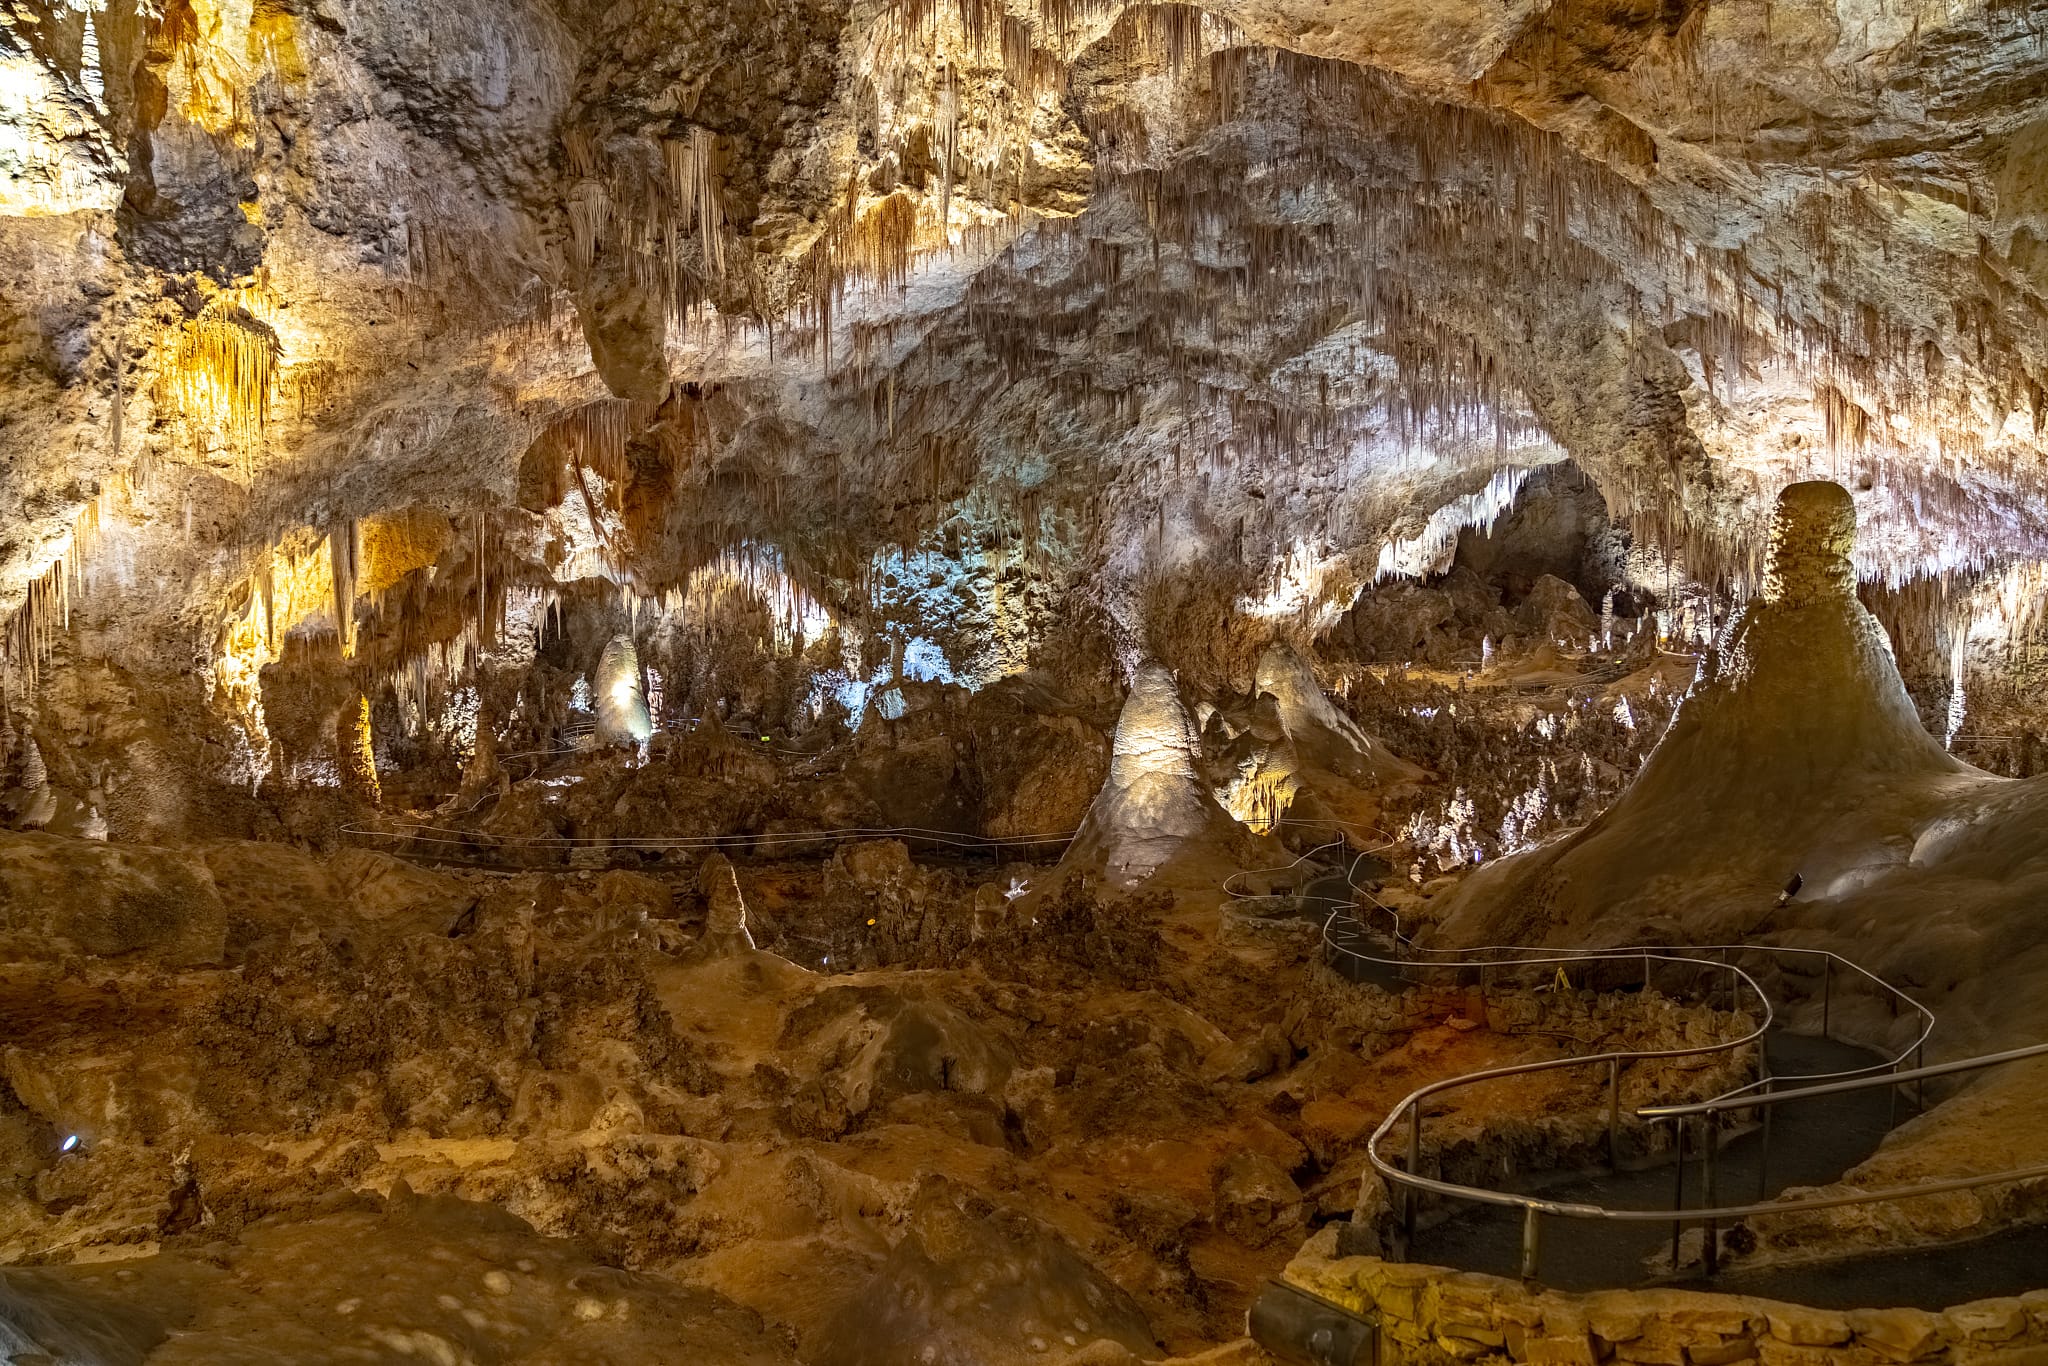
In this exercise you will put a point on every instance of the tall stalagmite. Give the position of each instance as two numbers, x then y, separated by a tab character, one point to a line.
1154	809
1798	751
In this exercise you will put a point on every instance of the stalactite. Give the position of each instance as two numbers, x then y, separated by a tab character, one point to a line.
225	367
344	550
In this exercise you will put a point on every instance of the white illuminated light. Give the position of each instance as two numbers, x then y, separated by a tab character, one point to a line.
1018	886
70	1143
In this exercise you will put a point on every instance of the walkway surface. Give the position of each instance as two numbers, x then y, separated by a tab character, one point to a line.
1811	1144
2009	1263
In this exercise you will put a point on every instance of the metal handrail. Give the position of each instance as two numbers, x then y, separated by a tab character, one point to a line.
1758	1095
1900	1001
1836	1088
1233	889
1747	1097
434	834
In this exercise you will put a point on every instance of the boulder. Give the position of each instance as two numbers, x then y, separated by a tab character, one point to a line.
1257	1202
970	1285
60	897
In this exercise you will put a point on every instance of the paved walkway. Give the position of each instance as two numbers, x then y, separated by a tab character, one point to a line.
2009	1263
1810	1144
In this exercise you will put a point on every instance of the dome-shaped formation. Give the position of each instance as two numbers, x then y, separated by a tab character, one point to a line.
1154	807
1796	751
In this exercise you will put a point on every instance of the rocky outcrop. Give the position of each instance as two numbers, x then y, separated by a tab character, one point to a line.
725	910
1322	736
500	1292
1033	1297
60	897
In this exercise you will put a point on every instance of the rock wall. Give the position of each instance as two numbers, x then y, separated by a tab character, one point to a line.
1430	1316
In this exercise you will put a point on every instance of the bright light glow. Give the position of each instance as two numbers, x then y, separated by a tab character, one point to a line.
622	716
70	1144
1429	550
1299	585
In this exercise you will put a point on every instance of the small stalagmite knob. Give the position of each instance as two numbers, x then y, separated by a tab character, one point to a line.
725	917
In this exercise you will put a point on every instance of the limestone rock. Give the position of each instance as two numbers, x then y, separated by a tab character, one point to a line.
1554	611
61	896
725	914
1256	1202
1032	1296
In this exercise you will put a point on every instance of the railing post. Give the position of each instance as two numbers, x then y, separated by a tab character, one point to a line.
1763	1156
1919	1083
1532	1241
1614	1113
1678	1192
1414	1169
1709	1160
1827	992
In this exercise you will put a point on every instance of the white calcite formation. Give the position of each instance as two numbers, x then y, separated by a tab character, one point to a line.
1154	808
1322	735
620	695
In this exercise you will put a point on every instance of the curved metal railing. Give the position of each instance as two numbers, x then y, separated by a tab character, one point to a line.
1343	937
485	842
1372	842
1421	958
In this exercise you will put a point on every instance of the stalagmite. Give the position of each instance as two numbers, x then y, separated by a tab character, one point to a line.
1797	750
725	910
1154	809
358	758
36	801
620	696
1321	734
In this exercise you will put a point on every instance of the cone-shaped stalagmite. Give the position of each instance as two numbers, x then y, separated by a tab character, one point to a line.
1154	806
36	802
620	695
1798	751
725	910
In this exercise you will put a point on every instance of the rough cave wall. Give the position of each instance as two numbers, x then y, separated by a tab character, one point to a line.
1189	316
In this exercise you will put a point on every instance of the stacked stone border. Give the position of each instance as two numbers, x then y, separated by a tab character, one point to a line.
1433	1316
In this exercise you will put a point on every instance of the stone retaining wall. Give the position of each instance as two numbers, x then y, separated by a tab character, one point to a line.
1430	1316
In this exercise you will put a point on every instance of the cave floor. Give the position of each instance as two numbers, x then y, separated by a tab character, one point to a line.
1123	1103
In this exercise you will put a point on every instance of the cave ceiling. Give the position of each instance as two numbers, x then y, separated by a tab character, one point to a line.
1175	307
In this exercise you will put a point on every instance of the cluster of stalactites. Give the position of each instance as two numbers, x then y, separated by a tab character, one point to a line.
224	365
664	218
1392	180
28	635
